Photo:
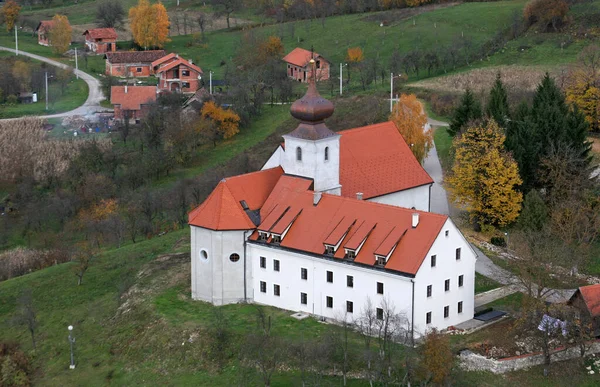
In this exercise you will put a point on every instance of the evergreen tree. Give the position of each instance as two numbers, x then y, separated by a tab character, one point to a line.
468	110
522	142
497	107
535	213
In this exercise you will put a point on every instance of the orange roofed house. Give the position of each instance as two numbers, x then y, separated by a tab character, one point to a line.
137	64
332	223
587	300
101	40
298	65
132	102
43	32
177	74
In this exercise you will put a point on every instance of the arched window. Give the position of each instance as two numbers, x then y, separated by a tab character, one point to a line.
203	254
299	154
326	153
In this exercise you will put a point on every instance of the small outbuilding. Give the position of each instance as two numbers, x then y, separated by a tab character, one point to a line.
587	300
101	40
43	32
298	65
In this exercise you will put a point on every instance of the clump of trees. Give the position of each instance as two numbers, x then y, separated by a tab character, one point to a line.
550	15
10	14
149	24
583	85
15	367
110	13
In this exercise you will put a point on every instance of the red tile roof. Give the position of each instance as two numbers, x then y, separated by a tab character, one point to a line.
179	62
375	160
164	59
222	210
102	33
300	57
591	296
134	97
134	56
373	221
45	25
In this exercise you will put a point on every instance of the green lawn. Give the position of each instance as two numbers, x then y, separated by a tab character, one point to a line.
443	144
484	284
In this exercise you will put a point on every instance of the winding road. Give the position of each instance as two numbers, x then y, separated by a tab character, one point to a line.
91	105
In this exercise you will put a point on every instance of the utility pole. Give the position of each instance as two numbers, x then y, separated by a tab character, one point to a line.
76	65
16	40
46	78
210	81
391	92
341	77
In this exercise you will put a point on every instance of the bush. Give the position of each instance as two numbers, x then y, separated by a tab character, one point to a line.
14	365
443	105
548	14
498	241
12	99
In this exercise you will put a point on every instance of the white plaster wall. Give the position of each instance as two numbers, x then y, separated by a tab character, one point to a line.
447	267
218	280
326	174
417	197
397	289
275	159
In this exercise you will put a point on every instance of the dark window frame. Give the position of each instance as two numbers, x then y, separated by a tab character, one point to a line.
329	276
429	290
379	287
446	311
428	318
447	285
303	273
350	281
263	287
263	262
349	307
434	260
329	302
276	265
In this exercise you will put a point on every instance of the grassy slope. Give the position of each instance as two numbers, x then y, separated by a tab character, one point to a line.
483	283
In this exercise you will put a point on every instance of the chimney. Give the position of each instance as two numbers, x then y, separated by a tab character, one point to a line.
316	198
125	88
359	195
415	220
191	62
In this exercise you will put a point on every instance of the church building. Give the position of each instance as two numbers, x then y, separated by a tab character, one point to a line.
332	223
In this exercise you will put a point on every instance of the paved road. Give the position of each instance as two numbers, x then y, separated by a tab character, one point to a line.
91	105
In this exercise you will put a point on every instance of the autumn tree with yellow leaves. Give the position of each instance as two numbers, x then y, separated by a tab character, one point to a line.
149	24
583	85
60	34
484	177
354	56
225	122
10	13
410	119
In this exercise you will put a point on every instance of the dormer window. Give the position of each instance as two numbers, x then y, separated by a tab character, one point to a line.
298	154
262	236
326	153
276	238
350	254
329	250
379	260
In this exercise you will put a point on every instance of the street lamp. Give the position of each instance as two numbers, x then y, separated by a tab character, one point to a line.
342	75
16	40
210	73
51	76
392	90
506	235
71	341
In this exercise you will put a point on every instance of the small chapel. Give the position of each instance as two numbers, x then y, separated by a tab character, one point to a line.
333	222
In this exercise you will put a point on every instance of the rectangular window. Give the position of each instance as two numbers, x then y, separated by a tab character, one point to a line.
330	276
276	264
428	318
380	261
350	254
458	254
263	287
460	307
262	236
379	287
329	250
303	298
185	73
263	262
447	285
139	69
460	280
429	289
349	281
446	311
349	307
329	302
275	238
185	85
303	273
276	290
433	259
447	232
379	314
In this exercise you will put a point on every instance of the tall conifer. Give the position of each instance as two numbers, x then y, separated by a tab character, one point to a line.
497	107
468	110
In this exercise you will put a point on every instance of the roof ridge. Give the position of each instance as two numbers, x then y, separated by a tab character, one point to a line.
251	173
366	127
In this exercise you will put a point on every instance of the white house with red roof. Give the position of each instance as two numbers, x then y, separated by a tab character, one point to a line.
332	223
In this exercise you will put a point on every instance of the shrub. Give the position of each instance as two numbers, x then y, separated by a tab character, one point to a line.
14	365
548	14
12	99
498	241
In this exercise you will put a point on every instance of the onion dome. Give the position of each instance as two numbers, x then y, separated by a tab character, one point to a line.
312	110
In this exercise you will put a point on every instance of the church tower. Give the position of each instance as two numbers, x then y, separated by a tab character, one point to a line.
312	149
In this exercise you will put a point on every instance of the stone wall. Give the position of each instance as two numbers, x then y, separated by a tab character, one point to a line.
474	362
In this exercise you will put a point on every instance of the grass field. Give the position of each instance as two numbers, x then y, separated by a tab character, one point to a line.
484	284
443	145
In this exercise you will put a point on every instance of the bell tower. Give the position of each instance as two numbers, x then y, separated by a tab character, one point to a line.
312	150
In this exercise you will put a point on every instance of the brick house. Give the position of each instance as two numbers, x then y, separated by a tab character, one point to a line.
133	102
298	67
131	63
587	300
101	40
165	60
43	32
178	75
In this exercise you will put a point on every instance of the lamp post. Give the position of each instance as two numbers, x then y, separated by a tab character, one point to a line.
71	341
342	76
506	235
392	90
46	78
76	65
210	73
16	40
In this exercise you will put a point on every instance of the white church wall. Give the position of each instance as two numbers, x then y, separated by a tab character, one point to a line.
447	267
275	159
215	278
417	197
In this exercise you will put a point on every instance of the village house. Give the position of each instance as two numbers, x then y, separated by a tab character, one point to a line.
101	40
332	223
178	75
298	66
43	32
132	102
136	64
587	300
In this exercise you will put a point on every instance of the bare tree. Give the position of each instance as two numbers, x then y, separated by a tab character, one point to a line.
227	7
110	13
203	20
27	315
83	258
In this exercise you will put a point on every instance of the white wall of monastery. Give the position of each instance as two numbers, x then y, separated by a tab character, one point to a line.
417	198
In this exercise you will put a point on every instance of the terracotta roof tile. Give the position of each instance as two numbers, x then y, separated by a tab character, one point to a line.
45	25
164	59
178	62
134	56
134	97
102	33
591	296
300	57
222	210
375	160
